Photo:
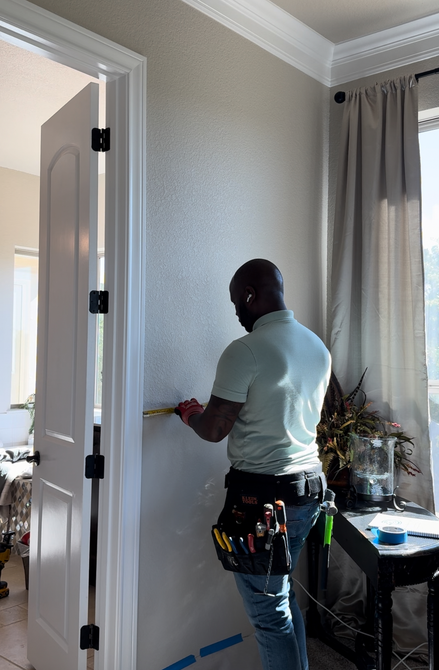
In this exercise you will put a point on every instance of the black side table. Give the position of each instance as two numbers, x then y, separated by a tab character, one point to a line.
386	567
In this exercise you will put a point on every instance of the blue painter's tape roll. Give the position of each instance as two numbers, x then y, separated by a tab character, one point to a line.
392	535
223	644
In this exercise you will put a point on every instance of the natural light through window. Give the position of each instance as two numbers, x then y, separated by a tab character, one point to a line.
24	340
429	146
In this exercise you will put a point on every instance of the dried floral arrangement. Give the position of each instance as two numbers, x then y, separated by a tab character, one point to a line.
343	415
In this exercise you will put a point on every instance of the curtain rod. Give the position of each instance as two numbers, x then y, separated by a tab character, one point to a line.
340	96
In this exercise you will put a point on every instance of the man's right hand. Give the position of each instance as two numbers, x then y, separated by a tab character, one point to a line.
187	408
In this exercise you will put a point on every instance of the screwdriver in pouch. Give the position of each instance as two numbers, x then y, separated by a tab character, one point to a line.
251	543
268	514
281	516
242	544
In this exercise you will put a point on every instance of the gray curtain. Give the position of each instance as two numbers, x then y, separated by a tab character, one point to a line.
378	308
377	268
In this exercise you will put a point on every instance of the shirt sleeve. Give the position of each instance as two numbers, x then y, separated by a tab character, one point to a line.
235	372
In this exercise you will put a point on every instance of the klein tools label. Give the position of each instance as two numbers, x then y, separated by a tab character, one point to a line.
249	500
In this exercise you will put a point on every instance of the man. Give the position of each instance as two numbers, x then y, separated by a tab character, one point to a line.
267	397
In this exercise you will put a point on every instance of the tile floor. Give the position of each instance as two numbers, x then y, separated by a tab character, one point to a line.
13	620
13	629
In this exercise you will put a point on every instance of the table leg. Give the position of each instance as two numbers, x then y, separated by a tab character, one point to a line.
365	645
432	616
313	622
383	627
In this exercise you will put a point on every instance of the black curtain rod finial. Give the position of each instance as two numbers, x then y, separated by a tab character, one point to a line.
340	97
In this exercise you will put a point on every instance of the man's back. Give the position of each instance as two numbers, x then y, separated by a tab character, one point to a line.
280	371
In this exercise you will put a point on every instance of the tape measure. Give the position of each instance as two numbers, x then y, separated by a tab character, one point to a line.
163	410
392	535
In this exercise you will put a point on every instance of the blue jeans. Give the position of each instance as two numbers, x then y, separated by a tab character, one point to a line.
276	617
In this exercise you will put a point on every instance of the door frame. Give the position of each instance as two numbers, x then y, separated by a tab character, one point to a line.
35	29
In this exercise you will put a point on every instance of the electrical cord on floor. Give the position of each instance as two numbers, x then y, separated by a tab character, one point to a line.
296	581
360	632
402	660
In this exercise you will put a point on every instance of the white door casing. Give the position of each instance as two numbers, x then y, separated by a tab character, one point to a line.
61	495
32	28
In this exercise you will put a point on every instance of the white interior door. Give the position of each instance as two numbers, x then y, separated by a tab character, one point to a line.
60	525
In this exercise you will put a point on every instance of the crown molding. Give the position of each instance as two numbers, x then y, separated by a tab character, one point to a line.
23	23
396	47
276	31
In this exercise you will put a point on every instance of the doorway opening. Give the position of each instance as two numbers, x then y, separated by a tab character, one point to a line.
34	89
41	32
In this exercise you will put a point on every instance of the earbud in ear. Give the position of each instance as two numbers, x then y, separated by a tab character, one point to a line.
249	297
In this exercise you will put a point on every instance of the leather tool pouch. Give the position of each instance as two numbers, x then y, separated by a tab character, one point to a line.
243	510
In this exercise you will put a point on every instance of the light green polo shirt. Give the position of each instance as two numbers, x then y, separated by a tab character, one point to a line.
280	371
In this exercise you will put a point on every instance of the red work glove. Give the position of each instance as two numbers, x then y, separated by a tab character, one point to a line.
186	408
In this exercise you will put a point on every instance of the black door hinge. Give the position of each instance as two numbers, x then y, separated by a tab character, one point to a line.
100	139
94	466
89	638
98	302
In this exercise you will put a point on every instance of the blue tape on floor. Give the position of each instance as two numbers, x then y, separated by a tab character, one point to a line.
223	644
182	664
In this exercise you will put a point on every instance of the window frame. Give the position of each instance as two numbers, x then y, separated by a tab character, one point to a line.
429	120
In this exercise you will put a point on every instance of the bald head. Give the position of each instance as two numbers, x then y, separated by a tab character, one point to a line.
256	289
261	274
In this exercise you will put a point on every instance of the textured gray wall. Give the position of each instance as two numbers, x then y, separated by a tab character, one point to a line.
236	169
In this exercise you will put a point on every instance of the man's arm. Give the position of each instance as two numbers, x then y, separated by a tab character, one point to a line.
217	420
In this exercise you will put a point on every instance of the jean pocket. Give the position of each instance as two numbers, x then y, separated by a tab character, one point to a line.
301	519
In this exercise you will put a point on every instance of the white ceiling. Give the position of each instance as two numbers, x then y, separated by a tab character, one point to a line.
343	20
33	88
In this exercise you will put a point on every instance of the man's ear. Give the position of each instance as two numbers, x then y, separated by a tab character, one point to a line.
250	294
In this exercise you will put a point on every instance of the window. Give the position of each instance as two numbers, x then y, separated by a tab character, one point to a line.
429	147
25	317
24	342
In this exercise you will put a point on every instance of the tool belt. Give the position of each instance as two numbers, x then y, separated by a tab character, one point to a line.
247	538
